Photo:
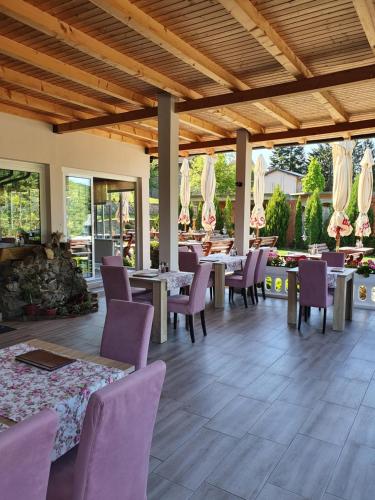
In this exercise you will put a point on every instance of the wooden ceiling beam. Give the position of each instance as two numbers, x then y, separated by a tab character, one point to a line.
36	58
355	128
306	85
31	83
207	127
130	15
366	12
245	12
40	20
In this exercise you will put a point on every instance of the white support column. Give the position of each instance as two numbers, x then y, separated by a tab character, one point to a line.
243	192
168	180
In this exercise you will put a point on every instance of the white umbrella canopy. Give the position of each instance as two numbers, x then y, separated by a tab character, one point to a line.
184	217
362	224
339	224
258	218
208	186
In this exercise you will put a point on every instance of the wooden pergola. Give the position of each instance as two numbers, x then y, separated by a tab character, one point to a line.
182	75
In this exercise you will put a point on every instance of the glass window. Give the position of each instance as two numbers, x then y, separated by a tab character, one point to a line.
20	205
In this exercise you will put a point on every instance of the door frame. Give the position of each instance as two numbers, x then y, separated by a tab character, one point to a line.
90	174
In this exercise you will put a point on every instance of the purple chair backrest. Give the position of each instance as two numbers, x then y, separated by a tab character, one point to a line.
334	259
249	268
188	261
112	260
116	283
197	300
127	331
198	249
313	283
260	268
114	450
25	457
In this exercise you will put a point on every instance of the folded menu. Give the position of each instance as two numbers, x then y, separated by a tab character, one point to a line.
45	360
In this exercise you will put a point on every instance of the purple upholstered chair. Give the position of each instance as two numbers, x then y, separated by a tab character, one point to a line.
260	272
198	249
313	288
195	302
113	260
188	262
334	259
127	331
246	279
117	285
25	457
111	462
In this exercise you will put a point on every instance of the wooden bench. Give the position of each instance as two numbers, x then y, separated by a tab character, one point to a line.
217	246
263	241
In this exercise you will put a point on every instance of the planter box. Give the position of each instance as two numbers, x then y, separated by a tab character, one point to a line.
364	291
364	288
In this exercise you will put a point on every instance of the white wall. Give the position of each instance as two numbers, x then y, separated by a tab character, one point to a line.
288	183
28	140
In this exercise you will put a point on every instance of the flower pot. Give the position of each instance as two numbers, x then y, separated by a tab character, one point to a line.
50	312
31	309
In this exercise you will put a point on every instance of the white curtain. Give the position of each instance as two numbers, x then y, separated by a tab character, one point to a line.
362	224
184	217
342	185
258	218
208	186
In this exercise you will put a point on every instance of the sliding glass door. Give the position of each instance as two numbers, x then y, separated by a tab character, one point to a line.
79	222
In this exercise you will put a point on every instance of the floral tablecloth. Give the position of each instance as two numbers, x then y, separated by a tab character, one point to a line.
174	279
232	263
25	390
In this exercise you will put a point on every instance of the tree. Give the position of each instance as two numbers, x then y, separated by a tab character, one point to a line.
219	215
228	215
323	153
199	215
359	150
352	212
299	243
290	158
314	178
277	216
314	218
154	179
225	170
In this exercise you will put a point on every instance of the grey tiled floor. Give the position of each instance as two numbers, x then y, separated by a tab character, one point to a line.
255	411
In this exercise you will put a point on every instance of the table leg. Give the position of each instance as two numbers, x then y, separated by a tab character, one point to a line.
159	301
349	299
292	298
219	269
339	304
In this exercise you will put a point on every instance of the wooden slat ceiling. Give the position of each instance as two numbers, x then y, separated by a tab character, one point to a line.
326	35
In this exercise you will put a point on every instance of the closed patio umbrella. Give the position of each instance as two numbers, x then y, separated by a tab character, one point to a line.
339	224
184	217
362	224
208	185
123	212
258	219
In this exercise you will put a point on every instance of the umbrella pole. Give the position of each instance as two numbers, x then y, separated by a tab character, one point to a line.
337	239
257	232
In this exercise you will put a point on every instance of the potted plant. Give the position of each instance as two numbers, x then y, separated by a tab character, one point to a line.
29	294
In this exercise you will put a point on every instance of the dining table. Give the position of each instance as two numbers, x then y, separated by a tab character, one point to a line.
341	280
26	389
160	283
223	264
